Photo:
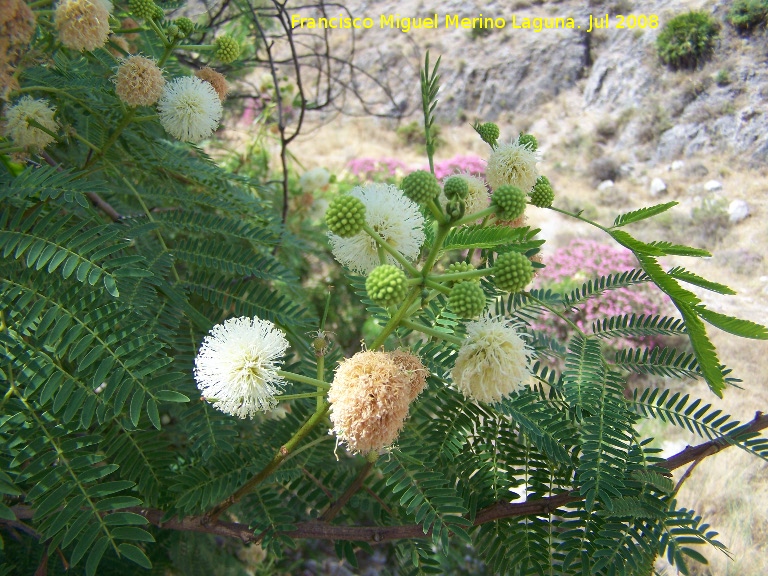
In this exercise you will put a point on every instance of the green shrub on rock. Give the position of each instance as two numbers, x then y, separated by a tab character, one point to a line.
688	40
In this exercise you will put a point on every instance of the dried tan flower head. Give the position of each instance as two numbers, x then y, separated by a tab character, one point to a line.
139	82
83	24
216	80
537	258
130	24
369	397
122	43
412	366
17	21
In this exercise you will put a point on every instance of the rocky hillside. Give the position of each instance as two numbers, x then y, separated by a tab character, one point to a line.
647	111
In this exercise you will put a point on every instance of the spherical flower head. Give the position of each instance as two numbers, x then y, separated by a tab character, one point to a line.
493	362
393	216
18	129
314	179
345	215
185	25
17	22
509	202
489	132
512	165
216	80
386	285
542	194
236	367
83	24
414	369
455	187
512	272
369	398
227	49
529	141
420	186
142	9
139	82
467	299
189	109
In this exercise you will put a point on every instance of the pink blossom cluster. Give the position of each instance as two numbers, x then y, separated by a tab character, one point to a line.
583	260
460	164
377	168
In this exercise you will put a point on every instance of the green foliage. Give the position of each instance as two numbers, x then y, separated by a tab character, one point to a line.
119	250
746	15
687	40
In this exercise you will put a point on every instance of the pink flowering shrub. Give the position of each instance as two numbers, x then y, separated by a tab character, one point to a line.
583	260
377	169
460	164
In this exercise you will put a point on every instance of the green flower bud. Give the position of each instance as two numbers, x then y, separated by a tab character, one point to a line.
158	13
489	132
512	272
509	202
455	209
456	187
173	31
386	285
345	216
458	267
529	141
185	26
420	186
227	49
467	299
143	9
542	194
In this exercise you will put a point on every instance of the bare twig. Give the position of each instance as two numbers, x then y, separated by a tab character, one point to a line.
336	507
318	529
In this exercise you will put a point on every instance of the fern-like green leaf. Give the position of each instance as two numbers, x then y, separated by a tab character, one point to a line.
642	214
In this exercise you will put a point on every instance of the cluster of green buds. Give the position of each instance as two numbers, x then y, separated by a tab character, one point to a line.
506	266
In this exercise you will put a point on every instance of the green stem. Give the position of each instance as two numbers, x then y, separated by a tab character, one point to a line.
303	379
286	397
381	243
113	138
35	124
158	31
12	149
434	207
198	47
456	276
418	327
579	217
470	218
437	286
90	145
276	461
395	320
442	232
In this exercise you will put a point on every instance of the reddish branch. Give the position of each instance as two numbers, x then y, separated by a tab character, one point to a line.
324	531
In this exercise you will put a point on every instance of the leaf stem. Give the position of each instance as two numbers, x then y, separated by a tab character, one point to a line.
304	379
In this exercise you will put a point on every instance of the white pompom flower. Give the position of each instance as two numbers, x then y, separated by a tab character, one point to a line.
394	217
18	129
512	164
236	366
493	362
189	109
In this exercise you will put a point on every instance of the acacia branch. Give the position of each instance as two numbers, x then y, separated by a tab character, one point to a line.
324	531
